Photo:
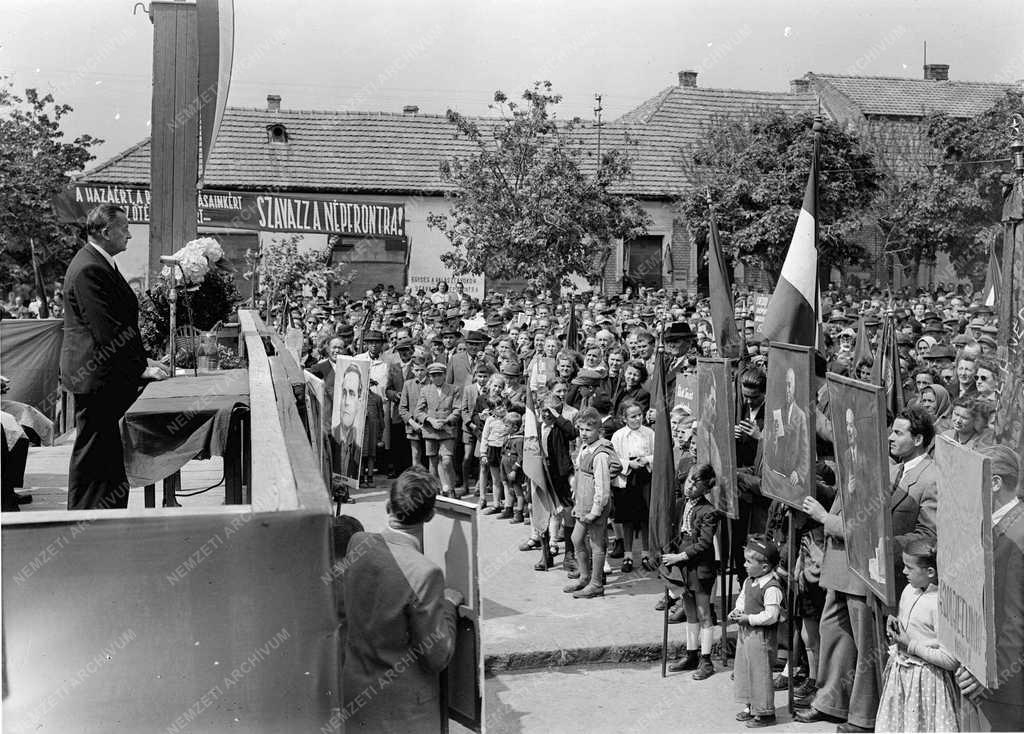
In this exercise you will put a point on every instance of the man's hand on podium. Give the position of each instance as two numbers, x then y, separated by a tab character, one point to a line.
155	370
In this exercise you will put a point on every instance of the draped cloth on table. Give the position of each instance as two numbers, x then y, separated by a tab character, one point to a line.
31	360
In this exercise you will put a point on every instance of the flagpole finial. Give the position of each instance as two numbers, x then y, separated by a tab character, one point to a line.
707	195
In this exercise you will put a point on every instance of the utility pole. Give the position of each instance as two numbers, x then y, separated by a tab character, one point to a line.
597	111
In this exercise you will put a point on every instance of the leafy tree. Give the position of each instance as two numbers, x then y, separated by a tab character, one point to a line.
34	166
528	203
966	192
933	213
755	168
283	271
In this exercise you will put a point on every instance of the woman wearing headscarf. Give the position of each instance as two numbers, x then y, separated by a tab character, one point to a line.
935	399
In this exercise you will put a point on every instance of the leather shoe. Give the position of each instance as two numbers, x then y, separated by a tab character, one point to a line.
618	549
847	726
677	614
527	545
761	720
589	592
660	606
576	586
811	715
627	566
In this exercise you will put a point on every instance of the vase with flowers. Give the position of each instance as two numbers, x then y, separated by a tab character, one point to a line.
206	295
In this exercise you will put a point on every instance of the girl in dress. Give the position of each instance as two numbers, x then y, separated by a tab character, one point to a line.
631	491
919	693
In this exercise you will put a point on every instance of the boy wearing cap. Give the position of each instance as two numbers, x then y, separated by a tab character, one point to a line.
1002	709
437	411
757	612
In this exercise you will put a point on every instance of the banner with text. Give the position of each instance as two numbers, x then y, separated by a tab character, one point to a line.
311	213
966	619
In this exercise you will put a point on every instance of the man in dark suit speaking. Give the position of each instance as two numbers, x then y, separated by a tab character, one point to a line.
102	361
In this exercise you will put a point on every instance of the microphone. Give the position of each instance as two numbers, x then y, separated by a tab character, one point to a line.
169	260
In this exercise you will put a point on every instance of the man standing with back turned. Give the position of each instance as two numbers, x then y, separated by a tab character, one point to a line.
102	361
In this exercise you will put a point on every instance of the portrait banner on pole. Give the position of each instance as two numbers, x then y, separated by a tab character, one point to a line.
348	416
966	622
857	410
789	425
714	431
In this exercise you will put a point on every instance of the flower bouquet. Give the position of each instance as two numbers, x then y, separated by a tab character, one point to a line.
196	259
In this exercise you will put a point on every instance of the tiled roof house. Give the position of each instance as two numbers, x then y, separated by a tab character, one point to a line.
398	155
888	114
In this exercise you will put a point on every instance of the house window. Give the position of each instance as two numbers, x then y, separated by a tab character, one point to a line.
371	261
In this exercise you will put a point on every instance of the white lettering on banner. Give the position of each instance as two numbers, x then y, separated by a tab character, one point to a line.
328	215
472	284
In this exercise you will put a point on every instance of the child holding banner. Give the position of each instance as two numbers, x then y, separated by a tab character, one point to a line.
918	693
693	553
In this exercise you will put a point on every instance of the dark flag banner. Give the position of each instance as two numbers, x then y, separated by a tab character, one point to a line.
862	347
885	372
572	333
661	525
723	316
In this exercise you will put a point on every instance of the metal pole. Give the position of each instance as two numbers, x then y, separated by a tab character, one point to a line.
664	635
172	304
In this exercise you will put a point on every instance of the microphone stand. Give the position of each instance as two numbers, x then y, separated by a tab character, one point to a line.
172	302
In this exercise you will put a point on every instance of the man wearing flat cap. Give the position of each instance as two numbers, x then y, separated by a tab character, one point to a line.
1002	708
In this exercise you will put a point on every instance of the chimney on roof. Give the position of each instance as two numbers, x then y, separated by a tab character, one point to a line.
687	78
799	86
273	103
410	109
936	72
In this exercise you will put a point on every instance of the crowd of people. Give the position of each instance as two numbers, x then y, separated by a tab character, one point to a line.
459	380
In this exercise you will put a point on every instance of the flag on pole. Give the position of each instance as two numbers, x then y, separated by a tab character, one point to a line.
572	331
792	315
533	454
723	316
885	372
661	520
993	278
44	306
862	347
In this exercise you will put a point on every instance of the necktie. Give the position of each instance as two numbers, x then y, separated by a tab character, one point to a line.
896	482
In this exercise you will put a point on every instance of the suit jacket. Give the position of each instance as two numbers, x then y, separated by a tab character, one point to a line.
835	566
922	484
746	447
559	447
102	345
1006	703
394	619
438	402
461	367
793	448
393	391
324	369
468	397
407	406
699	543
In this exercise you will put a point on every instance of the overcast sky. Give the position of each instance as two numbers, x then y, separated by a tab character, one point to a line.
382	54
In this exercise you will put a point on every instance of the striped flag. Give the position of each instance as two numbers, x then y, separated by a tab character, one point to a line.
723	316
533	454
993	278
792	316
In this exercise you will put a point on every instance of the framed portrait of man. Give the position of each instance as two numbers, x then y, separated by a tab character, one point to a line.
716	395
857	412
788	474
348	416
